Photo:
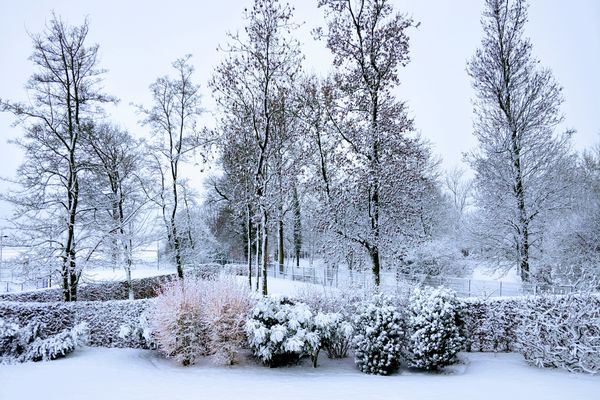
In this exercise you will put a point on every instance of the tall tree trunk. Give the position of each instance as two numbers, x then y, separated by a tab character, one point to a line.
258	247
280	249
249	244
265	252
523	230
374	253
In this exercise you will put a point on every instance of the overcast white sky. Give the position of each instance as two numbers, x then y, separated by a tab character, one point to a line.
139	40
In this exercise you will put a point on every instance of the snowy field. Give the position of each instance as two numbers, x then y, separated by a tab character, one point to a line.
99	373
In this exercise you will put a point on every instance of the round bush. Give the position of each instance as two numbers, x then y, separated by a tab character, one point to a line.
379	336
281	331
435	328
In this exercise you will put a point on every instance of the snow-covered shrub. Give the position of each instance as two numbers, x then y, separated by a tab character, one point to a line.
180	330
227	306
379	336
281	331
491	324
98	291
57	346
140	330
562	333
435	328
196	318
15	340
336	309
29	343
335	332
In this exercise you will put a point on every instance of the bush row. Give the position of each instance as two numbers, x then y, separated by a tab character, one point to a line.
553	331
143	288
103	319
215	318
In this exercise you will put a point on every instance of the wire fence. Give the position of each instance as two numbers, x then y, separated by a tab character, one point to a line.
397	282
11	281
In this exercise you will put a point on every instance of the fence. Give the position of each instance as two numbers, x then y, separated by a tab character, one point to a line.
341	277
396	282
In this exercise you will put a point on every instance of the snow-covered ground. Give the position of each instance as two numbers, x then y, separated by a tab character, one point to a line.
100	373
118	274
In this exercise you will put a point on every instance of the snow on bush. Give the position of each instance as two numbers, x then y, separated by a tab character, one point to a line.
227	306
180	329
336	308
335	332
195	318
435	328
561	333
379	336
139	329
104	318
59	345
281	331
29	343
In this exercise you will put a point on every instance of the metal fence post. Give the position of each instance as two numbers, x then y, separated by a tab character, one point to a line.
500	288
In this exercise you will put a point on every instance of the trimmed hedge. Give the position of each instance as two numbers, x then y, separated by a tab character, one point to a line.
104	318
501	325
144	288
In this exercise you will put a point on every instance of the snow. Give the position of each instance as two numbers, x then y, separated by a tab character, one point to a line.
100	373
490	274
118	274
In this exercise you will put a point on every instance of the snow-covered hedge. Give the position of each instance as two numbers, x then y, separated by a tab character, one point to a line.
550	331
104	319
435	328
491	324
103	291
379	336
32	343
561	333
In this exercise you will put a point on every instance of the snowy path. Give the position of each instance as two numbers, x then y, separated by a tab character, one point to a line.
98	373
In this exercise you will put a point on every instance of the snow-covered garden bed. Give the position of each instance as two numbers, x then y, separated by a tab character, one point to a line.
100	373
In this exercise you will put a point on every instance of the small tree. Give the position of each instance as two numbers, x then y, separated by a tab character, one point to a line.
114	161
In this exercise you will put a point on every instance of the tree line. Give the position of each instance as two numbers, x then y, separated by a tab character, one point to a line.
330	165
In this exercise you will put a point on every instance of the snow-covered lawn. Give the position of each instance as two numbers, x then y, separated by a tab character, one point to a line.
100	373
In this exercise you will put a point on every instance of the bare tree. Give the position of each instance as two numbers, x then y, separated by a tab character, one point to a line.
65	96
248	85
173	120
377	180
115	162
517	165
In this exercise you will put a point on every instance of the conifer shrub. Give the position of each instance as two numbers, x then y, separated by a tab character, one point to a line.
379	336
435	328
